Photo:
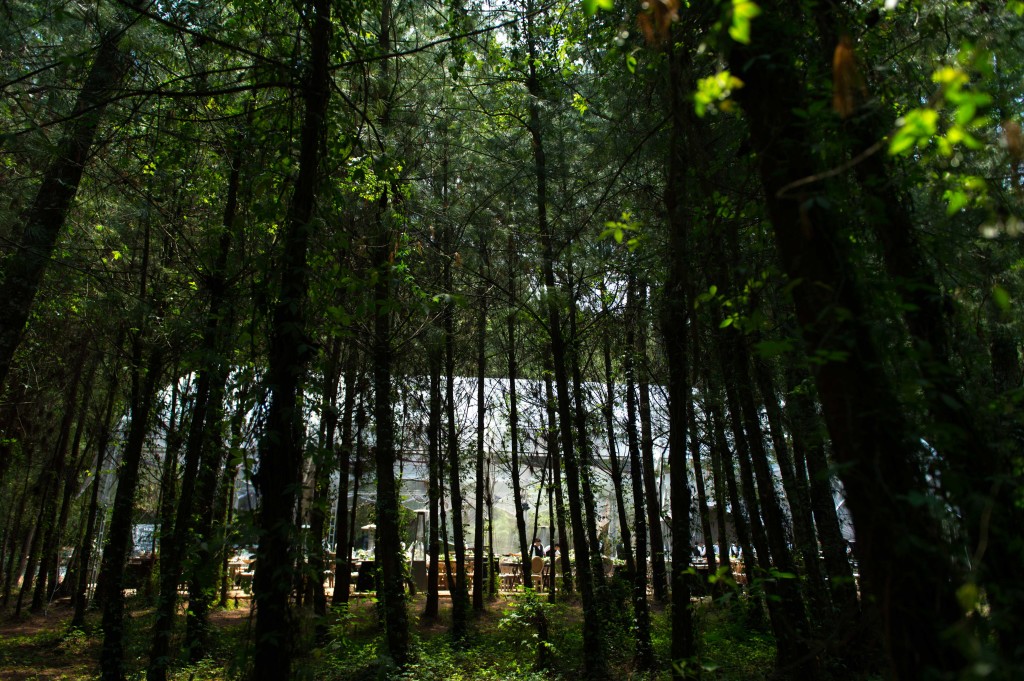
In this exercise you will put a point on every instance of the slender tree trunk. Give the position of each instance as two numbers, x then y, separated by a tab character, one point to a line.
789	616
80	599
322	485
71	485
796	494
739	519
203	458
702	499
659	573
228	495
595	663
34	547
434	491
145	382
478	529
22	534
513	407
389	554
42	222
342	543
53	476
389	551
585	464
644	656
720	490
458	590
808	444
676	319
281	448
759	538
202	582
556	477
613	458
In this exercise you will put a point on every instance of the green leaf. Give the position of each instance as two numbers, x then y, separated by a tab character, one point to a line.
956	199
743	11
916	128
590	7
1001	297
967	595
773	348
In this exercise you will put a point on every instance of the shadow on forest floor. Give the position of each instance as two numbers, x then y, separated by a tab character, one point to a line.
502	645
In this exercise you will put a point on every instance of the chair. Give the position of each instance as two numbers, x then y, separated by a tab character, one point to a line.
537	568
545	575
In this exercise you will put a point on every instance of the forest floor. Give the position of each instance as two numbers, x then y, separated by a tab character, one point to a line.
502	645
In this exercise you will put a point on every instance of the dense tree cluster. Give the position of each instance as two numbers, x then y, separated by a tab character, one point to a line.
236	236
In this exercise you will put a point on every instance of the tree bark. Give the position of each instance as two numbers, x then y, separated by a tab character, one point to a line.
903	557
42	222
659	574
281	448
145	382
80	599
342	543
513	407
609	424
481	412
644	654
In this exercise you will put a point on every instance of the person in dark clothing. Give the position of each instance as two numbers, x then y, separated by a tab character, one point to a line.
537	549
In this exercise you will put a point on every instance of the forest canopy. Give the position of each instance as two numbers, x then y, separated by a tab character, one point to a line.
316	298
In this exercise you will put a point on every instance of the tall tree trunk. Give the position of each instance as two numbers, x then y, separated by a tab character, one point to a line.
609	424
54	475
585	464
324	464
513	406
659	574
644	656
556	477
145	382
144	385
434	463
739	519
281	448
904	559
202	574
342	543
389	553
796	494
389	550
676	320
202	453
34	548
788	613
71	486
80	599
42	222
808	444
458	590
478	529
702	499
720	491
228	494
